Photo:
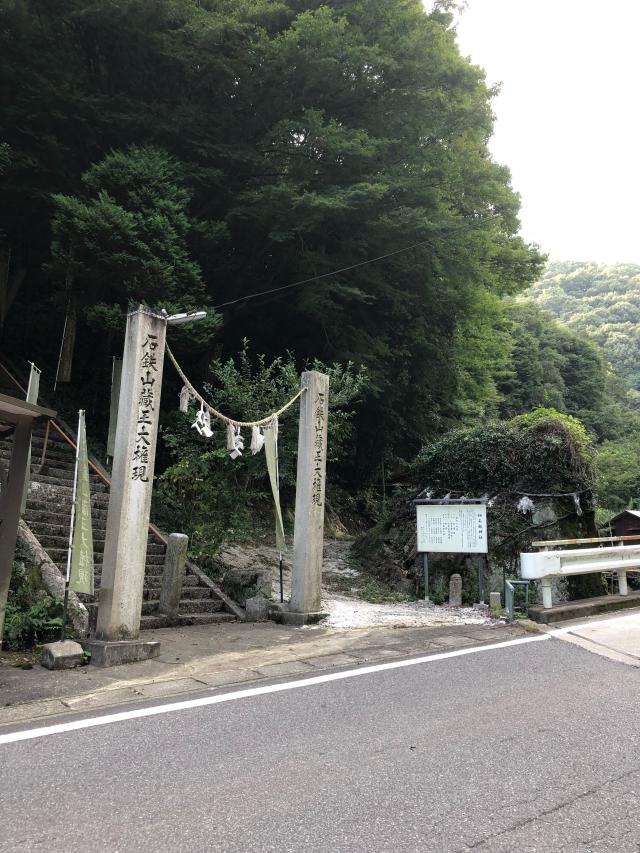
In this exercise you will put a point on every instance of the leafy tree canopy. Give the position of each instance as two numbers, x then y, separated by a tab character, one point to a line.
296	137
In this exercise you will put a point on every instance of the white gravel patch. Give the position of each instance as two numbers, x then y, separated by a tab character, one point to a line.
345	612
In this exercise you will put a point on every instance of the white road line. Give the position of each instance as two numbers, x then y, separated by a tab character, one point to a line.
91	722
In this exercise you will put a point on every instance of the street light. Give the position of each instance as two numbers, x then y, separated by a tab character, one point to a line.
177	319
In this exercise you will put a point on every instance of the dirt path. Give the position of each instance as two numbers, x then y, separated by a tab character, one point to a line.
346	610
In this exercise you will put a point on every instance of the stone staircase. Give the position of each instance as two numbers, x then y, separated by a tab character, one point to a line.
48	514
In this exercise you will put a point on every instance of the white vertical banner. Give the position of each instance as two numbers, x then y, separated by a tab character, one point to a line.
116	377
33	389
80	563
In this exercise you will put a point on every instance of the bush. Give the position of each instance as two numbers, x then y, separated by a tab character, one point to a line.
32	616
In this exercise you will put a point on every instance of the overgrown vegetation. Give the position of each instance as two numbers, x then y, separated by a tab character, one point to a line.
202	476
32	617
601	304
543	456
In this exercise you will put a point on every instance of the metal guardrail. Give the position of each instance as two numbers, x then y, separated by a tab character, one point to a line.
509	590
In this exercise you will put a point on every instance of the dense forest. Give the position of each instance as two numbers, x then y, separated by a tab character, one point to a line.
601	301
316	175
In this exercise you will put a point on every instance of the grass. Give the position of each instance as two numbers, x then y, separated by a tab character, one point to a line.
367	588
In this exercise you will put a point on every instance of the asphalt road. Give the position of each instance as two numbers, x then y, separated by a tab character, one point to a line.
528	748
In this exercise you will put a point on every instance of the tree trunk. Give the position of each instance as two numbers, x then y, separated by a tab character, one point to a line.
10	281
68	341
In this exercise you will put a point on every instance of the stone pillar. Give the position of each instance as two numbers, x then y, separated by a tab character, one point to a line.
173	574
623	589
125	548
547	600
308	535
455	591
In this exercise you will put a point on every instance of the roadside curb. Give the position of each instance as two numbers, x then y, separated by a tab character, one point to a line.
217	671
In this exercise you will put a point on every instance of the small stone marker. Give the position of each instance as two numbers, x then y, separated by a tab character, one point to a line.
257	609
62	655
495	601
455	591
173	573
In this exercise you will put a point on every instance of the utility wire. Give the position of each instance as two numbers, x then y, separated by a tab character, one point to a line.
461	226
318	277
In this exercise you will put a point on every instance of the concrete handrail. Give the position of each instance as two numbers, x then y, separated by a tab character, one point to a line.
546	565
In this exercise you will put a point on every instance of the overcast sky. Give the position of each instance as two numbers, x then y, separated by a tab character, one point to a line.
568	117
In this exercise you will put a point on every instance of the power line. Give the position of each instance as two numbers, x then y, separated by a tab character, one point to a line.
346	269
318	277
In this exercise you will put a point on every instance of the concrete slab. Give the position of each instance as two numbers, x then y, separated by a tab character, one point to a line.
326	661
102	699
453	641
584	607
119	652
218	678
617	638
275	670
30	711
169	688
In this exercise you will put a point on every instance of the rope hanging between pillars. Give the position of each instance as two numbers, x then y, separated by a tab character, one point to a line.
229	421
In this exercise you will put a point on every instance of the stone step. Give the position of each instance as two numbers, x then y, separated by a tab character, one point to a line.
64	482
59	556
48	532
189	590
152	573
161	621
55	444
188	605
55	536
189	582
43	496
60	542
48	518
62	458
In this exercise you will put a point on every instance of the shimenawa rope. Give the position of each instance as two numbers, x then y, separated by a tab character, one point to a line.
219	415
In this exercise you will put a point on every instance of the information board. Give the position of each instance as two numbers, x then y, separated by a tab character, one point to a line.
452	529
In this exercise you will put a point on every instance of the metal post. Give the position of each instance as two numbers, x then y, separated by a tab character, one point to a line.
425	566
70	549
44	445
481	560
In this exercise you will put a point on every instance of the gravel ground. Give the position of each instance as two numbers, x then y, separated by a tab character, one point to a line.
346	612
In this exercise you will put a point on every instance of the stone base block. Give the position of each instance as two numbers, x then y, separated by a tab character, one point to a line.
297	620
116	652
481	606
257	609
65	655
495	601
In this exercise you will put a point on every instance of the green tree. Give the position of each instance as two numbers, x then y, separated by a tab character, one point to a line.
313	136
124	241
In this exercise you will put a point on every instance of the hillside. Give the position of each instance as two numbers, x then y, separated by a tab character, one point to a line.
602	301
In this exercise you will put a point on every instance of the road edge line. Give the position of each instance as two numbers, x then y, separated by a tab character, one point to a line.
187	704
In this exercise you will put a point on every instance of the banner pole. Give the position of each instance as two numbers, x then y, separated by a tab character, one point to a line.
280	553
73	519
